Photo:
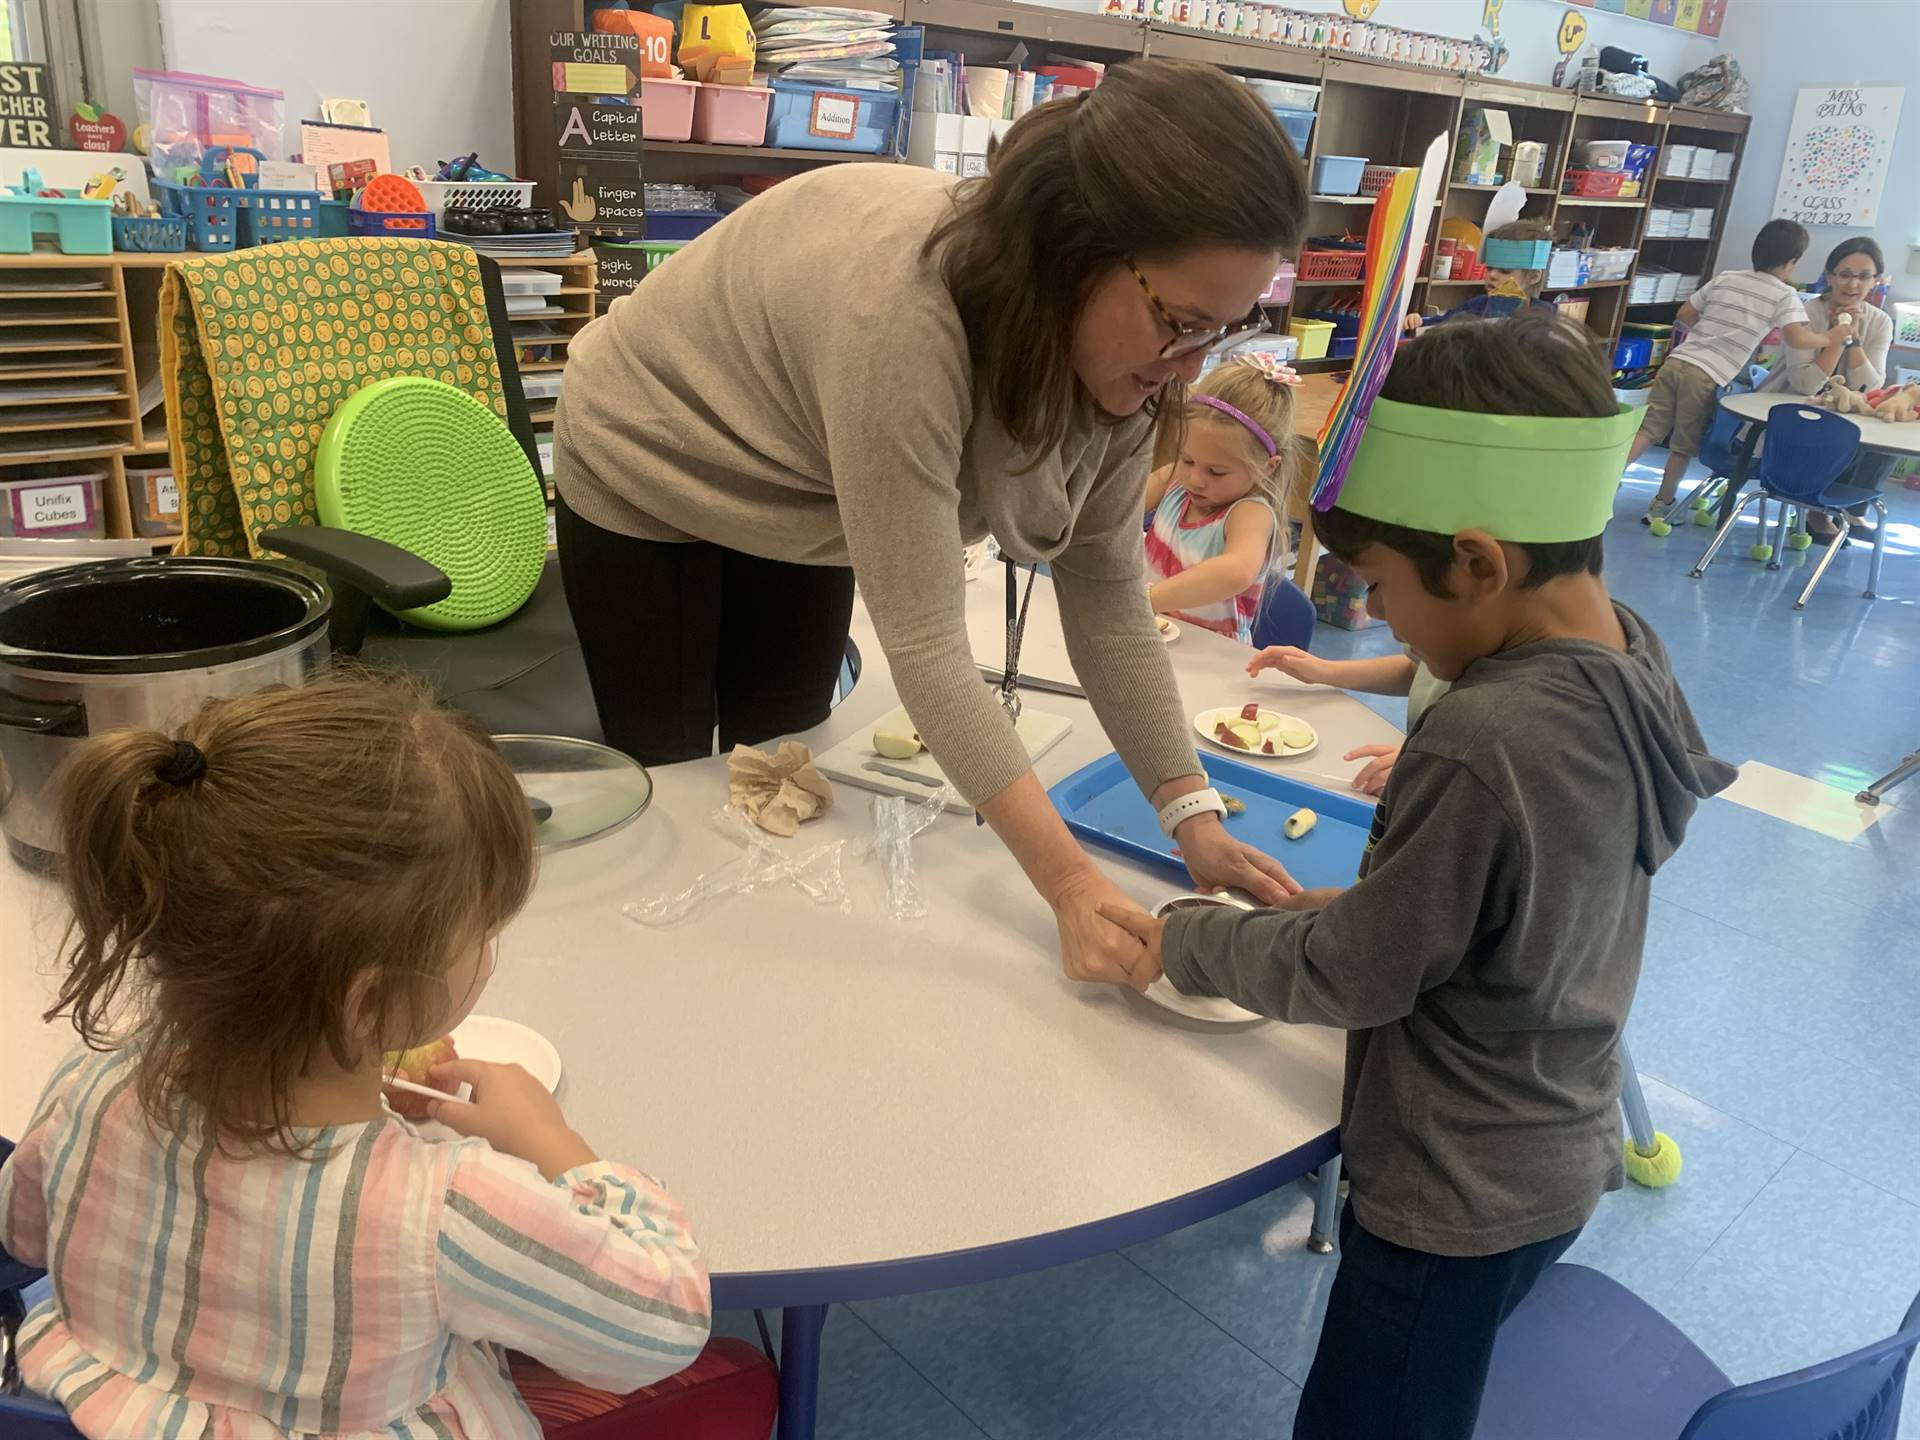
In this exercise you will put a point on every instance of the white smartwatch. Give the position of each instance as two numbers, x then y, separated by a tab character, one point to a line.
1199	802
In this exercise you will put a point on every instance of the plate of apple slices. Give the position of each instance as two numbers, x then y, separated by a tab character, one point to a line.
478	1037
1255	731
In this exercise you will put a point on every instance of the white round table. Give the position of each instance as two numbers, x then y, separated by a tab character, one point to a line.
854	1106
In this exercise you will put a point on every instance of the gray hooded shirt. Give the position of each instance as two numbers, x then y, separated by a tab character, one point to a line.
1486	959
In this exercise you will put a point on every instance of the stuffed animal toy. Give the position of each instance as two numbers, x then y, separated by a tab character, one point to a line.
1844	399
1903	404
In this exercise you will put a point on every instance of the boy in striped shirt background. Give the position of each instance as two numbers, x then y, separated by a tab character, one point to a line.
242	1239
1725	320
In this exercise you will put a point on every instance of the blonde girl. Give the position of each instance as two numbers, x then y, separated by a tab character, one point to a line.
242	1237
1217	508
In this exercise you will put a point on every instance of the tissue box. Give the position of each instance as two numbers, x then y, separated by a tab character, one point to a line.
1340	595
1484	134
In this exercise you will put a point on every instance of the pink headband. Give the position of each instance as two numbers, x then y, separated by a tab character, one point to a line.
1259	432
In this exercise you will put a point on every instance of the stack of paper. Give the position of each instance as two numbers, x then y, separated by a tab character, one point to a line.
1723	164
1702	227
828	45
1702	166
1676	159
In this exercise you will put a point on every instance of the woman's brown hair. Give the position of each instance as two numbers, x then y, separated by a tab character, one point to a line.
233	882
1164	156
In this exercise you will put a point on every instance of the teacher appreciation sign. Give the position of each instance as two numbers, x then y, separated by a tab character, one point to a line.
1837	154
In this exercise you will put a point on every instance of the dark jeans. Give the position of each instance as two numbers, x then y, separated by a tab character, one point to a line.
679	638
1408	1337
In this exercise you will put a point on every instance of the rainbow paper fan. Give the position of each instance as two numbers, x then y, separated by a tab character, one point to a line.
1394	239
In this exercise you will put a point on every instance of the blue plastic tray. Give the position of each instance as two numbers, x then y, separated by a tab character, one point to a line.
1103	806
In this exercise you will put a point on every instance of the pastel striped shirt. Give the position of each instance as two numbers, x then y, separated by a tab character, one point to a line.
367	1291
1175	543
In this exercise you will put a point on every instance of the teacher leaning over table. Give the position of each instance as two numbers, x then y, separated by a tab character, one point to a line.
872	365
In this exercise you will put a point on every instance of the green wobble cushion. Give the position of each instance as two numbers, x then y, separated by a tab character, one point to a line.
425	466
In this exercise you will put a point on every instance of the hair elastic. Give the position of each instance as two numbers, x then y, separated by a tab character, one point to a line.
1259	431
188	764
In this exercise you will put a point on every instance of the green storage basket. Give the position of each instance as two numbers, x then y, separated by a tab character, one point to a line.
425	466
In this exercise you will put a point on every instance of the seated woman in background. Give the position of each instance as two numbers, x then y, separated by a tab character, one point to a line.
1854	267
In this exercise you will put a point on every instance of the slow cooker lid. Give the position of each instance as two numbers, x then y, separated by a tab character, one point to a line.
119	617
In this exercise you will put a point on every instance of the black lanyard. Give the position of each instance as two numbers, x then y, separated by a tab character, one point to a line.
1016	630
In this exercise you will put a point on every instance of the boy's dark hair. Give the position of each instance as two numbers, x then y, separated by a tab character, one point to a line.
1532	364
1780	242
1526	231
1858	245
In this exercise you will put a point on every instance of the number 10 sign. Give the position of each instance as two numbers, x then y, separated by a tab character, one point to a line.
1837	154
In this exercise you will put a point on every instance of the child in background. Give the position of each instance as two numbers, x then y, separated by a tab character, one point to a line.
1216	510
1485	960
1508	292
1384	675
1725	320
242	1239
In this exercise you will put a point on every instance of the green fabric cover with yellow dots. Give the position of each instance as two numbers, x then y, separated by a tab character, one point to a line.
259	348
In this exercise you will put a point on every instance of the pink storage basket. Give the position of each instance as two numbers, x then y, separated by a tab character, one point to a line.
730	114
666	108
1280	291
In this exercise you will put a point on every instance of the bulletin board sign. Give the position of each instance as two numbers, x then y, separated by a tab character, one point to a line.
26	107
596	130
1838	150
602	200
591	64
1702	17
617	268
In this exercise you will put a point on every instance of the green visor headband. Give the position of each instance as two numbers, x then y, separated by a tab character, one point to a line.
1522	478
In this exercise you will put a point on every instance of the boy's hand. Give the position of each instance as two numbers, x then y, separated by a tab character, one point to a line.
1147	930
1373	776
1292	660
512	1111
1413	323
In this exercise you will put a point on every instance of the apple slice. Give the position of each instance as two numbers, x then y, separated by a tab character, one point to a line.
897	747
415	1065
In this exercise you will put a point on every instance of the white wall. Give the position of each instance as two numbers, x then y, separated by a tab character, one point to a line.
1859	42
436	72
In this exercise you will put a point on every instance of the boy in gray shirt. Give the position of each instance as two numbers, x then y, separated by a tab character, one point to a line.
1485	960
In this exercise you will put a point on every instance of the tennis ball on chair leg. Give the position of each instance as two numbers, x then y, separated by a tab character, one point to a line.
1659	525
1761	552
1655	1171
1703	517
1800	540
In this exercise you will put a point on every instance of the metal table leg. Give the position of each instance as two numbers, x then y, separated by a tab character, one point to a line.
800	1327
1905	770
1742	467
1326	1209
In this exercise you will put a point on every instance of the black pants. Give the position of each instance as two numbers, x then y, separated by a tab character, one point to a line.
681	638
1409	1336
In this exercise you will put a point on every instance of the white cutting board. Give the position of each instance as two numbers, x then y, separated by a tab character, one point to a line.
1037	730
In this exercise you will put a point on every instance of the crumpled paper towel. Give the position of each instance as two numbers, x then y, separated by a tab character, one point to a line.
777	792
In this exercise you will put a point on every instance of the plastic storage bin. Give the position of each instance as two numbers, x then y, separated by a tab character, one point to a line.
60	507
1605	154
1313	337
818	117
1376	178
1280	290
680	225
268	216
1335	265
1296	121
730	114
1338	174
666	109
79	226
376	222
1285	92
444	195
1595	184
149	234
153	501
209	213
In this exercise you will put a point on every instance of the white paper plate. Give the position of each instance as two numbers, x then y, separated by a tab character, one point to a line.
1169	632
1209	1009
1273	719
508	1042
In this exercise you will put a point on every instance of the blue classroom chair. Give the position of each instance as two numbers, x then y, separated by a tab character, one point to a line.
22	1416
1583	1358
1806	453
1285	616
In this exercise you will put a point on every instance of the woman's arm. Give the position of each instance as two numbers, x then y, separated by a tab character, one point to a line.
1248	551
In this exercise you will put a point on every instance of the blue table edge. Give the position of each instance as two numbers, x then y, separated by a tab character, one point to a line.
880	1279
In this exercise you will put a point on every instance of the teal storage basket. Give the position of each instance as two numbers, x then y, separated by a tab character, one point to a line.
79	227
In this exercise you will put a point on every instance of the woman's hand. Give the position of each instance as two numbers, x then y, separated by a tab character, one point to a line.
1093	947
511	1111
1373	776
1217	861
1292	660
